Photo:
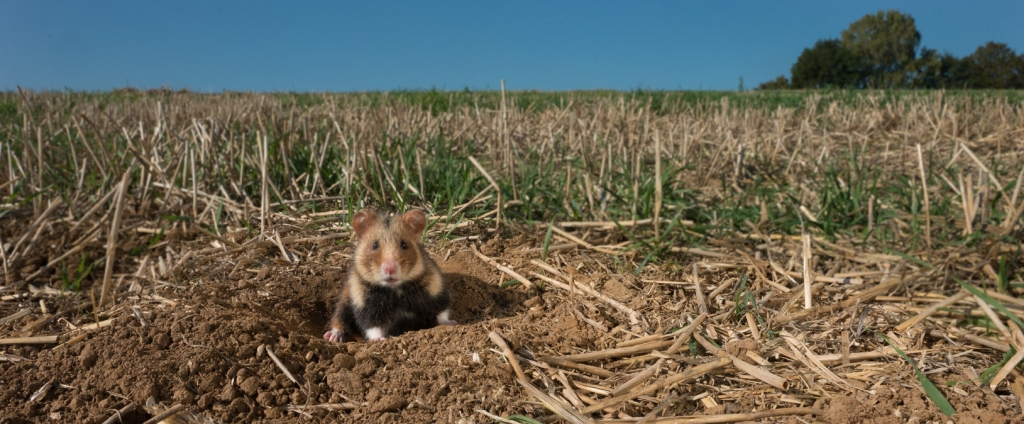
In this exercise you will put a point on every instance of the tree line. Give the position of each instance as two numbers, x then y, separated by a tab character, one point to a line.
883	51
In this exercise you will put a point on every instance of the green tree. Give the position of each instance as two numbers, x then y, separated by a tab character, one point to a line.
779	83
888	41
994	65
934	70
829	64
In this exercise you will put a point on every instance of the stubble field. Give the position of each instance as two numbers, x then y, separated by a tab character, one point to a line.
613	257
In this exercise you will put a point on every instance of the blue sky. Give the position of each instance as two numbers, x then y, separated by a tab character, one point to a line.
378	45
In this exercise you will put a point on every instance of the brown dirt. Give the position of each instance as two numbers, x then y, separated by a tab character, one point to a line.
897	403
202	346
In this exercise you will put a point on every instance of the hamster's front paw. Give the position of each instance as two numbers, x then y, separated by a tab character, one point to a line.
449	322
333	336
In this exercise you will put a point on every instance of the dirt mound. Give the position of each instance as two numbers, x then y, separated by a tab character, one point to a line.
205	343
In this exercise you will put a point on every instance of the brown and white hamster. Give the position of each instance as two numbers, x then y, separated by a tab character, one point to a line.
393	286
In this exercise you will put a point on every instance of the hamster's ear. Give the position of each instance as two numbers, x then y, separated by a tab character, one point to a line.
415	221
362	220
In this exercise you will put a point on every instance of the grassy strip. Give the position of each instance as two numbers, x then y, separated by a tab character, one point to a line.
729	161
661	101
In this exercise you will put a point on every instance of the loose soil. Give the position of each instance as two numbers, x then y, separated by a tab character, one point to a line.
202	337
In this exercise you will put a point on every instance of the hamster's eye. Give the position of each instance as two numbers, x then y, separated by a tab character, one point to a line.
404	245
376	245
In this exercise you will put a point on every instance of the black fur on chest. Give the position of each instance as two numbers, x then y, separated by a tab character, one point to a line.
396	310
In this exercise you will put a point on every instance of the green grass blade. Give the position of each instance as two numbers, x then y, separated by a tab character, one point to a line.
986	376
523	419
547	243
933	392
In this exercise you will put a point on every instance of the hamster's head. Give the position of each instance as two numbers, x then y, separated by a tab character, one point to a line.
387	247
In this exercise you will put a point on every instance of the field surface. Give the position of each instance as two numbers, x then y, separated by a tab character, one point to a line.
655	257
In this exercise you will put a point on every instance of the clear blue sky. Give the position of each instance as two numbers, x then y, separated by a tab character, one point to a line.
384	45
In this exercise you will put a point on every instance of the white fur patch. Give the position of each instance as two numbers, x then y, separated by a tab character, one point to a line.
442	318
375	333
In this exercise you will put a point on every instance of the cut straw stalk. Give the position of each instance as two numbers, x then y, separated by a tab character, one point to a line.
54	262
698	294
112	239
231	205
690	374
29	340
499	341
633	315
3	257
864	296
32	228
501	268
213	253
744	366
657	183
583	243
1011	218
927	203
552	248
284	369
118	416
170	412
700	252
15	316
96	325
682	335
961	295
992	177
496	418
638	379
726	418
984	341
618	352
610	225
808	281
288	256
497	189
95	207
568	389
553	360
226	242
39	323
686	333
264	196
657	409
808	358
566	412
1018	343
994	317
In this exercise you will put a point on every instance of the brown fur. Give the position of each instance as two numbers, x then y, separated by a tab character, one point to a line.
389	232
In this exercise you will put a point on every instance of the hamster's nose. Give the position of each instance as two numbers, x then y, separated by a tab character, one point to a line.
389	267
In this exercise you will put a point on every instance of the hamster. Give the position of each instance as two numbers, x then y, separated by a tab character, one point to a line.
392	286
